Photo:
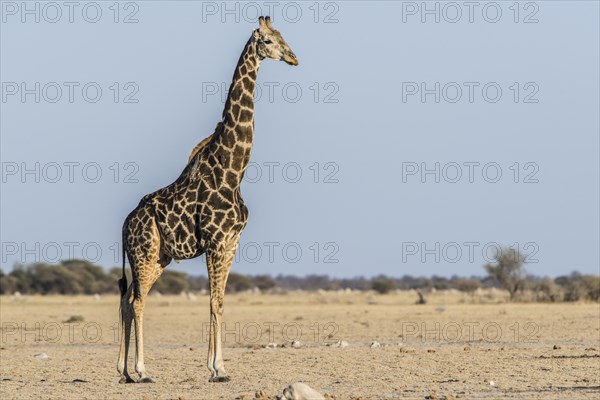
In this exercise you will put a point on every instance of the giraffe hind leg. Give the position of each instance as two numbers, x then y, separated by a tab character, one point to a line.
145	282
143	251
125	322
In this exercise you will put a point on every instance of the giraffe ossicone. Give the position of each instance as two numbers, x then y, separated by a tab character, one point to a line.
202	212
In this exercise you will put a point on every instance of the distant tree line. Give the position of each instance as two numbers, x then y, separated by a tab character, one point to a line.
83	277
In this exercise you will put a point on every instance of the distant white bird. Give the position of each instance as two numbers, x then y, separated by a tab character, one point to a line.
17	296
192	297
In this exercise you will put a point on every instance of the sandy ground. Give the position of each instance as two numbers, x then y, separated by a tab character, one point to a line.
452	347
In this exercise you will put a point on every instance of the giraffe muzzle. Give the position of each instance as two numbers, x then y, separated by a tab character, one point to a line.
290	58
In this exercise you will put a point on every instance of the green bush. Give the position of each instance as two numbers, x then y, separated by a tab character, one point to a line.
383	285
467	285
172	282
580	287
238	283
263	282
7	283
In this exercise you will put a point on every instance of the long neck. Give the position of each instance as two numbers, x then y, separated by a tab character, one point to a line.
238	115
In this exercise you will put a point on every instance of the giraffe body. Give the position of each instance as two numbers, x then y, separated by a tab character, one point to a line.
202	212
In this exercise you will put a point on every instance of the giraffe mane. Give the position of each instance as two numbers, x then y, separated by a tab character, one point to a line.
204	142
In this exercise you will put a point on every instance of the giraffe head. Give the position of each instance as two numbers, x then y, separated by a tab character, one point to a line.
270	43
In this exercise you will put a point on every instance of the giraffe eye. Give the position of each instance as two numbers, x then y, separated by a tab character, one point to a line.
267	41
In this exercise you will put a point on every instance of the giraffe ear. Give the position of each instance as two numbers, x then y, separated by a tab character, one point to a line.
268	21
261	23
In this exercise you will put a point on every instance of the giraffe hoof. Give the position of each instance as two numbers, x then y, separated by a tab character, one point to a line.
126	379
145	379
219	379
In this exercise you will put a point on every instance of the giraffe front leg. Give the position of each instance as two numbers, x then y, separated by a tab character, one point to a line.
216	365
219	263
211	348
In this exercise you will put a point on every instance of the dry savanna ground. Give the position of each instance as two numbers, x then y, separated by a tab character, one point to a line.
452	347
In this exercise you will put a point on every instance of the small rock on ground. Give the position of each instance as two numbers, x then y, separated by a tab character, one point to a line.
300	391
340	343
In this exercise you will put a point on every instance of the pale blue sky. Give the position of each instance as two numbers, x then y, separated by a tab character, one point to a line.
359	128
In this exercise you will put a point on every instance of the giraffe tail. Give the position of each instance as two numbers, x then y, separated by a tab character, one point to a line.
123	280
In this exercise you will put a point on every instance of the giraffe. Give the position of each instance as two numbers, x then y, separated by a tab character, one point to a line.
202	212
